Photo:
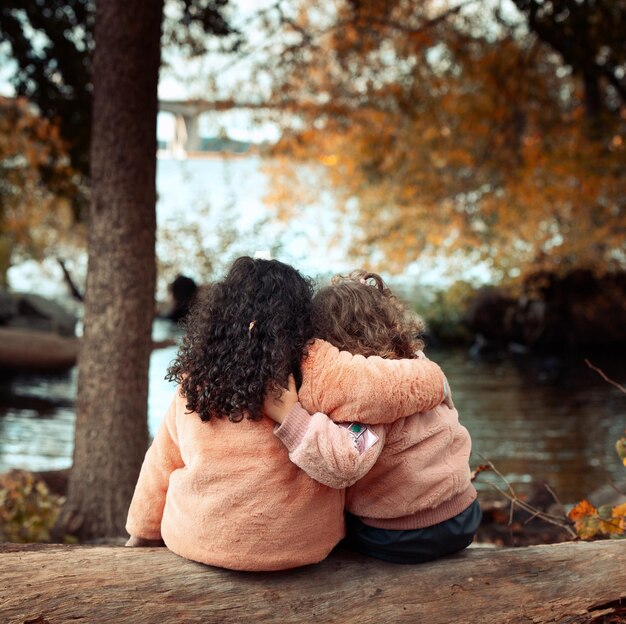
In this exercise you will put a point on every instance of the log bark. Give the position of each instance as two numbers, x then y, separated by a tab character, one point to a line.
568	583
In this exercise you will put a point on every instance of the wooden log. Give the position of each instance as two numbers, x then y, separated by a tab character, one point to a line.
26	349
29	349
569	583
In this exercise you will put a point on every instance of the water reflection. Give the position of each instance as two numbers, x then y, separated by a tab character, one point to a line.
563	432
37	421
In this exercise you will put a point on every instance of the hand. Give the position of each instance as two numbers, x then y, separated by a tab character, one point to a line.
278	408
138	542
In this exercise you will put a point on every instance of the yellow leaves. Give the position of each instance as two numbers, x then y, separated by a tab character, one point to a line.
590	523
28	509
329	160
487	133
620	447
38	183
620	511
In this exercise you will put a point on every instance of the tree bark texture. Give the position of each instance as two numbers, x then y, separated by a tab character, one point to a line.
111	424
568	583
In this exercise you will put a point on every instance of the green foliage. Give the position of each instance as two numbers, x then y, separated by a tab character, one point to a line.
444	311
28	510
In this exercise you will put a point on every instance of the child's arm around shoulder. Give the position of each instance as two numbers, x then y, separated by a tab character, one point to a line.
333	455
163	457
369	390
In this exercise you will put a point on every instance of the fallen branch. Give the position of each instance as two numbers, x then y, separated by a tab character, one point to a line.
560	521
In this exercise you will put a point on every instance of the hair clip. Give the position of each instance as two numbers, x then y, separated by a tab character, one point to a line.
251	326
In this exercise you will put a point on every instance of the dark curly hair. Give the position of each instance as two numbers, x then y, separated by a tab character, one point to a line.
359	313
244	335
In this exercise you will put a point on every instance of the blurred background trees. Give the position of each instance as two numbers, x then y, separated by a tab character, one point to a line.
465	130
487	131
52	44
37	186
50	49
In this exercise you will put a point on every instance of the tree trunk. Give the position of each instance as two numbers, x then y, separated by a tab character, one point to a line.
571	582
111	425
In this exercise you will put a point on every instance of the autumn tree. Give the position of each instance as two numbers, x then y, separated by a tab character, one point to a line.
589	36
37	185
449	130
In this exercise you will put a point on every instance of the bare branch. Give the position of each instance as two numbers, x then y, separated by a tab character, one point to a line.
556	498
560	521
603	375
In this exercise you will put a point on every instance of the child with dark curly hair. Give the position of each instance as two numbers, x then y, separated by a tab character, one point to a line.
411	498
216	485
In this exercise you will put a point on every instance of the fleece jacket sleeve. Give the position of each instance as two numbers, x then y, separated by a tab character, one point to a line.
163	457
369	390
327	452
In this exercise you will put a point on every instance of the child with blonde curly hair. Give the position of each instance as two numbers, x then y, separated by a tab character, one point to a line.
410	498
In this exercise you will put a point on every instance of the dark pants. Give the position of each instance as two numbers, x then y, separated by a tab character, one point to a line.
415	545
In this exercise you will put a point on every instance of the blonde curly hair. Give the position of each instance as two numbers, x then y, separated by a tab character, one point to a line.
359	313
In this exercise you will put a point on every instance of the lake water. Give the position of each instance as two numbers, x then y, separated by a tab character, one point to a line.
533	427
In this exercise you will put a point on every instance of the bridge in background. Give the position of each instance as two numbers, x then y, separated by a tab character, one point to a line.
187	119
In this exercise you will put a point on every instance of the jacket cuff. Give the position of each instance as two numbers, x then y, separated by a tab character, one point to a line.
143	532
293	428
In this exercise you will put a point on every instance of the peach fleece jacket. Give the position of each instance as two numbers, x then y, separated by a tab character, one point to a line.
226	494
417	474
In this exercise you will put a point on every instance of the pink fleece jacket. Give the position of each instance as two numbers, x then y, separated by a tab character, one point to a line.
226	493
417	474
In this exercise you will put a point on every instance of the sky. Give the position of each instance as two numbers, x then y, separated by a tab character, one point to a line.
215	77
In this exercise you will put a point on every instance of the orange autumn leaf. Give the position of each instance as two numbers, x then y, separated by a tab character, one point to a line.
587	522
618	520
620	447
590	522
582	510
619	511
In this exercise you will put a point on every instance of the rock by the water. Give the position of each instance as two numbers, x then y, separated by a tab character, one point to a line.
552	312
36	333
34	312
25	349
